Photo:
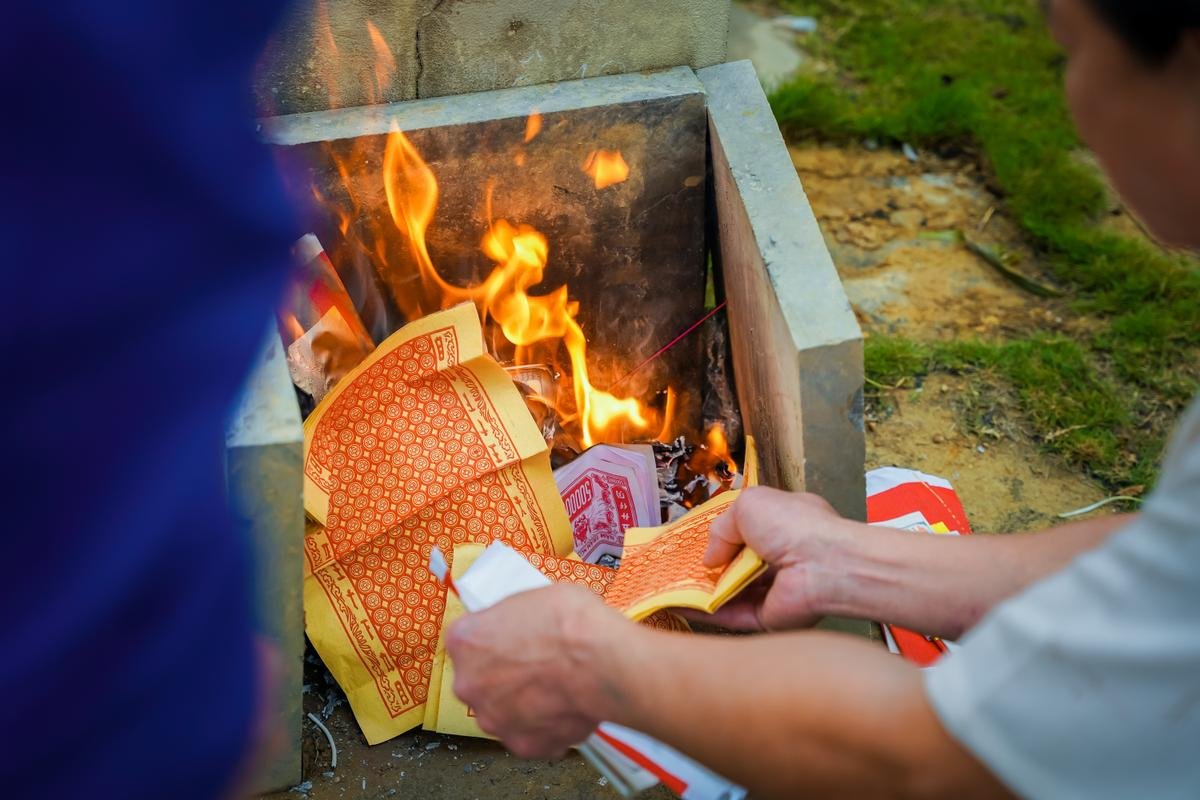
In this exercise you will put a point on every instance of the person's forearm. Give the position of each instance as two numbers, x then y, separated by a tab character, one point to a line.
818	713
943	585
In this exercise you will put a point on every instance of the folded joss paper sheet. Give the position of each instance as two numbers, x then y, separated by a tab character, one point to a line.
426	442
662	569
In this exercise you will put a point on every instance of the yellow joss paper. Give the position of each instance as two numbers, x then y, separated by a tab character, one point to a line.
426	442
444	712
661	568
750	465
664	567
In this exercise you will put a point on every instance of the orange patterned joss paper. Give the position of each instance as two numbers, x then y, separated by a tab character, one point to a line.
427	442
444	712
662	568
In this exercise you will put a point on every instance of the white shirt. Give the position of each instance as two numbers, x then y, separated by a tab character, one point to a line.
1087	684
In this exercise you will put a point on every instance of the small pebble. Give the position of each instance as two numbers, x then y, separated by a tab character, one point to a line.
433	745
980	449
938	438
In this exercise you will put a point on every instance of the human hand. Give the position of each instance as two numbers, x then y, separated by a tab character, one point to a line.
533	667
799	536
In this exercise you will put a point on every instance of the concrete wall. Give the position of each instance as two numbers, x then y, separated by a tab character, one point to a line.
797	347
323	55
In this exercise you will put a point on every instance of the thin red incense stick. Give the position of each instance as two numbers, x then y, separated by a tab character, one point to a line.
669	344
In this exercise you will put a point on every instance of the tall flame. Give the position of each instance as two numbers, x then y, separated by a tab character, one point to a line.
520	253
536	328
385	63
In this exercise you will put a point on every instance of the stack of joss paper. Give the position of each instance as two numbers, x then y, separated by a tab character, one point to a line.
427	443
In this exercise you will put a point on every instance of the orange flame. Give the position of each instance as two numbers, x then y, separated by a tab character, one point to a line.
533	126
717	445
327	56
606	168
521	254
536	327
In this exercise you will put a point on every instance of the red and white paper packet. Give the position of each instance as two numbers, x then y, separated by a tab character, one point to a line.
607	490
914	501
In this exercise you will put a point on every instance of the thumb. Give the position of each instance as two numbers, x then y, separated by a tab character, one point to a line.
765	520
724	538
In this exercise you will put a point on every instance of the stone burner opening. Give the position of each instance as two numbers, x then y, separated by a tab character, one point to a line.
574	217
711	212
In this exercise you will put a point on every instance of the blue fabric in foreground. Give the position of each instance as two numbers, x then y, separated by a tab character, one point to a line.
144	237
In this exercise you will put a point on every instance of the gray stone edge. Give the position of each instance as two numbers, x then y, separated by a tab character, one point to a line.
787	233
435	112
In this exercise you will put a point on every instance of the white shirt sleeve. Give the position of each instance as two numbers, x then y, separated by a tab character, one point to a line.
1087	684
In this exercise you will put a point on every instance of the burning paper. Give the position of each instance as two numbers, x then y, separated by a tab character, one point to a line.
427	442
608	490
322	333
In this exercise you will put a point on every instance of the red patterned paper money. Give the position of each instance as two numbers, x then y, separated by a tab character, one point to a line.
607	490
600	505
664	567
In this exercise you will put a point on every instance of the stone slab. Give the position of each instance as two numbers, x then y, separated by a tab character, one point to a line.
322	56
492	44
797	345
633	254
264	453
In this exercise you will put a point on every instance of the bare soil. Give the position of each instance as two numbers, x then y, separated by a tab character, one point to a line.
891	224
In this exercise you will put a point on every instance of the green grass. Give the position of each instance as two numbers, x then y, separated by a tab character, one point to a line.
986	77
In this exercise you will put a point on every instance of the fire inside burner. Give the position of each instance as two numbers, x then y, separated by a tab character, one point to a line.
537	337
532	249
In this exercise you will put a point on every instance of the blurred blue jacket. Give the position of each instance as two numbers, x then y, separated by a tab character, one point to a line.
144	241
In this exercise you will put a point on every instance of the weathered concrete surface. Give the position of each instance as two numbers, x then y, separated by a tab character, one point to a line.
632	254
264	453
323	55
797	345
490	44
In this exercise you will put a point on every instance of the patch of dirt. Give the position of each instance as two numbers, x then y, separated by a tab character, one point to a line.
1005	482
892	226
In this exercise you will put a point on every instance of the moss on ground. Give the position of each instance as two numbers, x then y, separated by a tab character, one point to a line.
985	76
